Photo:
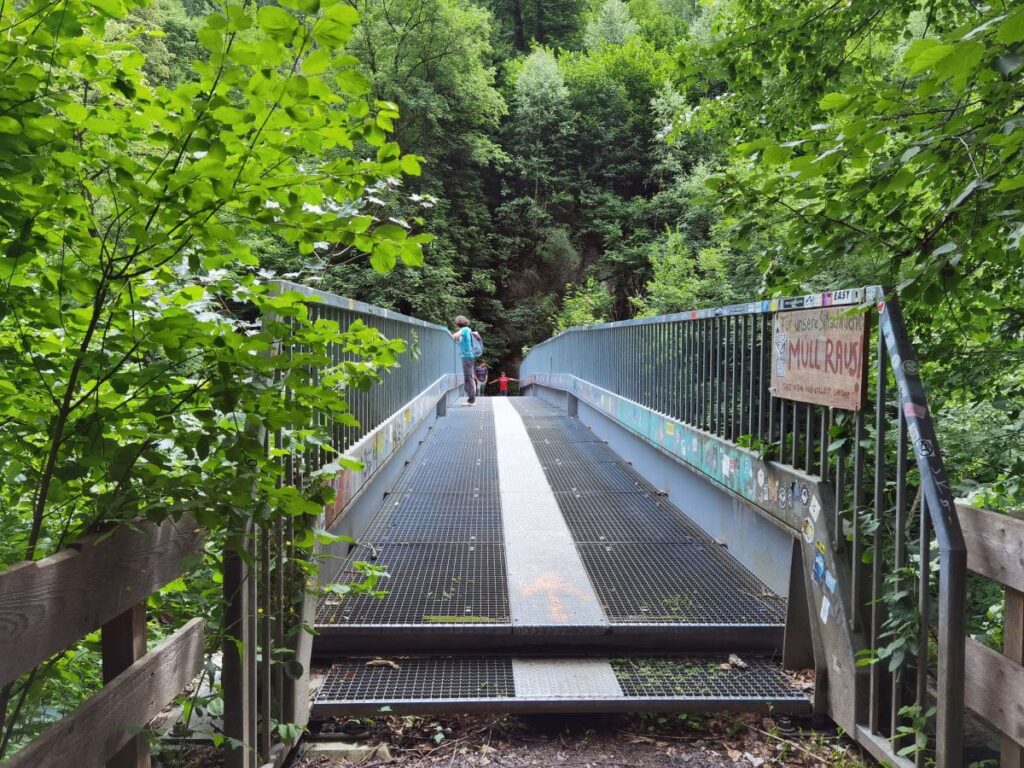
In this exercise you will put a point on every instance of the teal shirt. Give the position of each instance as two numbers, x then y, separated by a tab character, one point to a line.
466	344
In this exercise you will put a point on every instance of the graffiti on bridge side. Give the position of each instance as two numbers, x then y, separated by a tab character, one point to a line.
374	450
792	496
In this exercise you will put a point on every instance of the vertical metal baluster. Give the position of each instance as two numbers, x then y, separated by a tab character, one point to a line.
838	539
264	593
795	451
752	363
826	423
923	599
687	410
676	403
732	335
706	376
699	382
856	587
877	615
698	373
899	564
740	424
782	429
709	375
718	376
809	441
712	372
764	405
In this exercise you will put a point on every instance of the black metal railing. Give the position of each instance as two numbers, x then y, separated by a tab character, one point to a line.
894	519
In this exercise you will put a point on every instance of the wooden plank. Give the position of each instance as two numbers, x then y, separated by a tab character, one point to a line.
50	604
123	642
993	688
1011	753
995	545
101	726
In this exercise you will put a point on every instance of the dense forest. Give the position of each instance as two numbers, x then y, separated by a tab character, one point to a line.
585	160
533	164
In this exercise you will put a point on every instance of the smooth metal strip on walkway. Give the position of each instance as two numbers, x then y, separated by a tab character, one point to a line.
554	679
548	584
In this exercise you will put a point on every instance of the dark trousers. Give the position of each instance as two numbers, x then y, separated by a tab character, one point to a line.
469	374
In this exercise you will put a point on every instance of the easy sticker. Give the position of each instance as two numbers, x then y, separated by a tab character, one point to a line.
826	606
815	508
830	582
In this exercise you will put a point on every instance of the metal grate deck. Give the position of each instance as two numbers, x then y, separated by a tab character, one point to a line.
703	676
436	684
679	584
427	584
589	451
594	477
419	678
560	433
623	518
437	517
433	475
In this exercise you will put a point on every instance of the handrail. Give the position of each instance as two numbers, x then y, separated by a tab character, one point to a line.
261	589
102	582
709	369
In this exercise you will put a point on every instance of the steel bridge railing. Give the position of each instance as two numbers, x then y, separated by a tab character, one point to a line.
265	588
894	519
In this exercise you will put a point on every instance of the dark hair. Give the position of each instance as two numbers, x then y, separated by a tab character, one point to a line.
461	321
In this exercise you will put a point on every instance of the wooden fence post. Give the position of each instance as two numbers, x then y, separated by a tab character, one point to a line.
1011	753
122	643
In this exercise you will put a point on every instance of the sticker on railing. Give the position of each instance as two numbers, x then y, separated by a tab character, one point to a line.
818	357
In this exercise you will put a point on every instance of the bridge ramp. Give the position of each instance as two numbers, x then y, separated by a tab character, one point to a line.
531	569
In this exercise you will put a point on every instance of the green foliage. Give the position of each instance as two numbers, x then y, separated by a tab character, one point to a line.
612	24
683	280
585	304
881	142
138	379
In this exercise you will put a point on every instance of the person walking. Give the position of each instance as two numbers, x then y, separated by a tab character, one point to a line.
464	338
503	381
481	378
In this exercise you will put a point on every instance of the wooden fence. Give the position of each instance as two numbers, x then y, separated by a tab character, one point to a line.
101	583
995	682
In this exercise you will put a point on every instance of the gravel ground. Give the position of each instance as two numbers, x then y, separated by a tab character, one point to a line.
717	741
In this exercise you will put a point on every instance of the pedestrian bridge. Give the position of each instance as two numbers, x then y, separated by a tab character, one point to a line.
735	508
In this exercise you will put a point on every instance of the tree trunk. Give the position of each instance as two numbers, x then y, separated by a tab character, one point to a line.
517	25
538	23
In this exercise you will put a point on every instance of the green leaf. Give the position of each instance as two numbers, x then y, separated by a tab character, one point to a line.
113	9
1008	185
390	232
9	125
317	62
334	28
276	21
925	54
1012	30
352	82
834	101
410	165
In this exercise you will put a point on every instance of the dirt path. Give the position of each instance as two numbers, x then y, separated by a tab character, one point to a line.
720	741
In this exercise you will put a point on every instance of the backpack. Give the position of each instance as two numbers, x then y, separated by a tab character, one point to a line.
478	344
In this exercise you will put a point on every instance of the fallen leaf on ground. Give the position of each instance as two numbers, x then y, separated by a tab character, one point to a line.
737	662
383	663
